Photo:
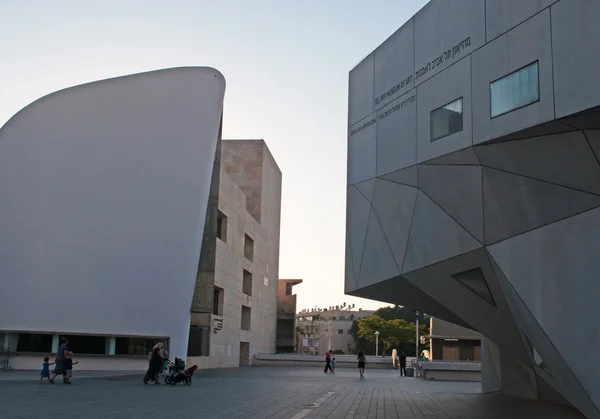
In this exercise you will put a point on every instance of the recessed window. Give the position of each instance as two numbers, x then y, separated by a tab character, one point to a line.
218	300
248	247
288	289
518	89
446	120
198	341
246	317
134	346
222	227
340	331
34	342
247	282
85	344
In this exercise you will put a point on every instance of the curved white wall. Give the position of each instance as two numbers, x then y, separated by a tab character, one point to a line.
103	195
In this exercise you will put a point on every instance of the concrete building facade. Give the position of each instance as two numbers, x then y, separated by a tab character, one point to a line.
326	329
139	260
287	341
450	342
474	184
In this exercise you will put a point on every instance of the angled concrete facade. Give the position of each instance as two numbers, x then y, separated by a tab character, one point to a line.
474	184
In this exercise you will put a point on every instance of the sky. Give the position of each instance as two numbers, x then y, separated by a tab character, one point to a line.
286	65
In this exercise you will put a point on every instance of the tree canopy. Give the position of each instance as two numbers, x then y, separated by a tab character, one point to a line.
396	329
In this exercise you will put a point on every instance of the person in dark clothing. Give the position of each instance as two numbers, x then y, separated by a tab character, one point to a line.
61	354
402	364
328	361
155	364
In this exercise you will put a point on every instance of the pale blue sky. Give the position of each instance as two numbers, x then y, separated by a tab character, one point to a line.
286	64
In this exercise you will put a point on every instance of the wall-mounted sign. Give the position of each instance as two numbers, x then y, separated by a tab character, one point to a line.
217	324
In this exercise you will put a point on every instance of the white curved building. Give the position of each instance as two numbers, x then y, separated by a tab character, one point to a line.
103	196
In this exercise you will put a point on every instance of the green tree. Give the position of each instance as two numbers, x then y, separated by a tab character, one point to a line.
361	344
392	333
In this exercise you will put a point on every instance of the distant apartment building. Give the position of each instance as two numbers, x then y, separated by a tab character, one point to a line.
286	316
329	328
450	342
238	317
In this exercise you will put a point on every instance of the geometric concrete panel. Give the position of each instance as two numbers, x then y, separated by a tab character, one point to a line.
502	15
349	277
593	137
396	134
457	190
576	81
360	90
377	262
515	204
546	128
398	290
445	32
548	394
564	159
524	45
358	209
474	280
393	71
362	151
554	270
366	188
447	87
394	206
517	378
491	381
464	157
564	380
439	282
584	120
434	236
407	176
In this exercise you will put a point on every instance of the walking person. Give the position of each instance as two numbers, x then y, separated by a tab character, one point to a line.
328	361
68	366
155	363
45	370
333	365
61	354
402	364
362	361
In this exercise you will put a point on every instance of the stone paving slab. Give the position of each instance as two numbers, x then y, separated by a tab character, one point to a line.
265	393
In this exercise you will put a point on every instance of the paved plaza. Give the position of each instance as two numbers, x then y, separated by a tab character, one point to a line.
261	392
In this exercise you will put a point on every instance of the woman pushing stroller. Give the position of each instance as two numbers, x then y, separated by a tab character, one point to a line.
155	363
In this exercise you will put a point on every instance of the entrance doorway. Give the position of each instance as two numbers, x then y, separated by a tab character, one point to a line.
244	354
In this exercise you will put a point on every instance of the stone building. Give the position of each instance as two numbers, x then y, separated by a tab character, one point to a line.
235	311
329	328
286	316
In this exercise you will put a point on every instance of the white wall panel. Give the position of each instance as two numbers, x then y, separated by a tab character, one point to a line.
104	192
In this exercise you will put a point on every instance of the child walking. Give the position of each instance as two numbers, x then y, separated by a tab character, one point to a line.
333	366
45	369
68	366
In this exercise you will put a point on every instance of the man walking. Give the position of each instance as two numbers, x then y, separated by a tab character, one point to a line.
402	364
328	361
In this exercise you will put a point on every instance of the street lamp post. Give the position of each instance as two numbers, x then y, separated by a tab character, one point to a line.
376	343
417	337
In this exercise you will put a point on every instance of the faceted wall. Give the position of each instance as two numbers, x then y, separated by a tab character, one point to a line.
496	226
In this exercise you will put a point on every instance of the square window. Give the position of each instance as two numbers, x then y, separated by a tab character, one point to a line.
516	90
446	120
248	248
247	282
288	288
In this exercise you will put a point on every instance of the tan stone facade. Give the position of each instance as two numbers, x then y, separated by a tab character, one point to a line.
242	320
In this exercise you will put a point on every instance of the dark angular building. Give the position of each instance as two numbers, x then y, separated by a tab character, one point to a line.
474	184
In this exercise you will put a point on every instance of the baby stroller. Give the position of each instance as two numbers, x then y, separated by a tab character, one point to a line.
177	372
